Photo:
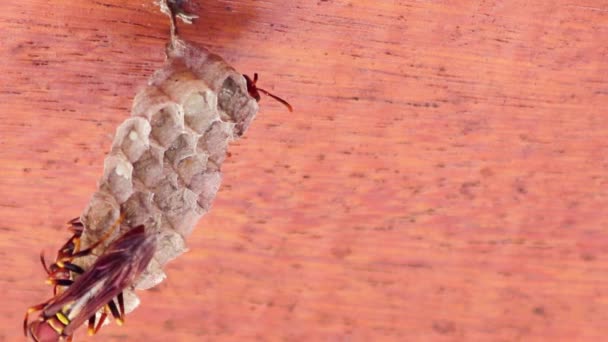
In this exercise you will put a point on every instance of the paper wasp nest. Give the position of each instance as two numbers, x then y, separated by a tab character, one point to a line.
163	170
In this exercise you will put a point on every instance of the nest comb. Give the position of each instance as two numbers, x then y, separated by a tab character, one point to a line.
164	166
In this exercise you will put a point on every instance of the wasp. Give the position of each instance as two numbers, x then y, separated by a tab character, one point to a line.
254	91
175	10
95	289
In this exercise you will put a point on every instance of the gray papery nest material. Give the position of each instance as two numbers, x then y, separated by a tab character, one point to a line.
163	170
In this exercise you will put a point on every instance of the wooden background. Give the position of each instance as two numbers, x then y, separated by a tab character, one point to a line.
444	176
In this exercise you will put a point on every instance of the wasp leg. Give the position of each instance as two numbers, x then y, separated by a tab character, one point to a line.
30	310
67	249
89	250
76	228
66	252
63	268
73	244
81	253
91	326
59	282
58	268
115	312
75	222
121	306
71	267
102	319
58	273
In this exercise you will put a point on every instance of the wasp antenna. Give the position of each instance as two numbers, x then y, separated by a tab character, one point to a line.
285	103
254	91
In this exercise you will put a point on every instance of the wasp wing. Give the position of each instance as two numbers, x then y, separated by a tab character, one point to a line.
120	265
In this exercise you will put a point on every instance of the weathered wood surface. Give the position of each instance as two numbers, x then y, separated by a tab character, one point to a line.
443	178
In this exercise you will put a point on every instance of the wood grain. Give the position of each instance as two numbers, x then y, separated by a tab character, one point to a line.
443	177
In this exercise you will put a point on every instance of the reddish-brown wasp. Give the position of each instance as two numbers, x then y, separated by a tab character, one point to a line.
254	91
116	269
